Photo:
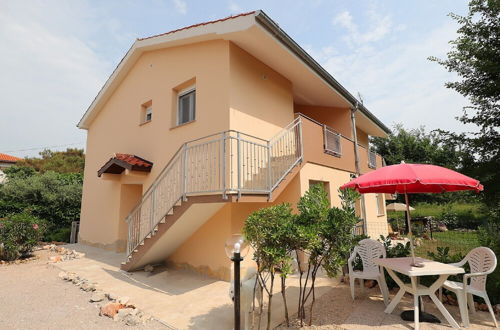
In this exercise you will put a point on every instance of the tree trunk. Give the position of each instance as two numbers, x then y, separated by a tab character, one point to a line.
283	294
270	293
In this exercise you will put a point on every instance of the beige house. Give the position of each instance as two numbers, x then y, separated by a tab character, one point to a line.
198	127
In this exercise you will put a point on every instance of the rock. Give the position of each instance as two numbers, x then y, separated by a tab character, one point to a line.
110	309
451	300
76	280
79	255
132	320
112	296
63	275
55	259
97	296
46	247
370	284
60	249
87	286
123	300
483	307
149	268
70	276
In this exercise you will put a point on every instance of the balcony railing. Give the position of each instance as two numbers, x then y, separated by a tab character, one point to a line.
372	159
332	141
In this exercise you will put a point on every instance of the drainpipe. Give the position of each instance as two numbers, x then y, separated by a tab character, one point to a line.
356	162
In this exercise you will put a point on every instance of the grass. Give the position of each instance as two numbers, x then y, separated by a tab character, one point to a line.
436	210
457	241
455	215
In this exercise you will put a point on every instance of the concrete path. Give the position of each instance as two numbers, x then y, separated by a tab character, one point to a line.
179	298
33	297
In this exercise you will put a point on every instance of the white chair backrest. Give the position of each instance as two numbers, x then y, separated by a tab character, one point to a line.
481	260
369	249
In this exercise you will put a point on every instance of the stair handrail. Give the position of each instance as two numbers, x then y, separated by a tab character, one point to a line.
288	138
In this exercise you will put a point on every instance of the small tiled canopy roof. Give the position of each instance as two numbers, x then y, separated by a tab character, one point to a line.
4	158
122	162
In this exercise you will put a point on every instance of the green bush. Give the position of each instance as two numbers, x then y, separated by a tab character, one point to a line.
58	235
19	234
52	197
399	250
489	236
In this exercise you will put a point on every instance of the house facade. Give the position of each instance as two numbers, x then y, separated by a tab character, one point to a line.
198	127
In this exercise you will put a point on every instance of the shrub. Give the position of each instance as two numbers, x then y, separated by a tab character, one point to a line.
19	234
52	197
58	235
489	236
394	251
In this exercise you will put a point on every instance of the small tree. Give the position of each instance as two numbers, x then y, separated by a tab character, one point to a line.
326	236
270	232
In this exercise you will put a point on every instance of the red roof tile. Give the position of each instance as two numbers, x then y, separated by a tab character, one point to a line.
199	24
122	162
133	160
8	158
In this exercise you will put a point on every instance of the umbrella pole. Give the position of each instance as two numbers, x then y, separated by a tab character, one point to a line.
408	219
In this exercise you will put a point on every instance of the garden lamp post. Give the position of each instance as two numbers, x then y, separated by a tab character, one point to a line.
236	249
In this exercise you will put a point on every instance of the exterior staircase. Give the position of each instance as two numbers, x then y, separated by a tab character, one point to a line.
201	177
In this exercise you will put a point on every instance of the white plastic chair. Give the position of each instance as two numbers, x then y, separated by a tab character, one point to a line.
368	249
482	261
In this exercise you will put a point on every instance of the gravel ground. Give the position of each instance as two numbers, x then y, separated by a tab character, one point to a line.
33	297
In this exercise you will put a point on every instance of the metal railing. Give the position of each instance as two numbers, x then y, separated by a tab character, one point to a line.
372	159
230	162
332	141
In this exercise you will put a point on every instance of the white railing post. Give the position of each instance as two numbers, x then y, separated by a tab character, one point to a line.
238	151
269	170
184	172
224	188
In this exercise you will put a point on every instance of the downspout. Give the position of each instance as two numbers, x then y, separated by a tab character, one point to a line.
356	163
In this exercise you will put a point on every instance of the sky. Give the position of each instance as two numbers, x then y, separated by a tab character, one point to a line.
56	55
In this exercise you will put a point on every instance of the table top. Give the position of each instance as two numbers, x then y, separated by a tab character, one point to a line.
403	266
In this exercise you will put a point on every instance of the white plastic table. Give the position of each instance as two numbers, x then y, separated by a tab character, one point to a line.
403	266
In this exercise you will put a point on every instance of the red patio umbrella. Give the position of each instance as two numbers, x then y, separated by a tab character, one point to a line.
412	178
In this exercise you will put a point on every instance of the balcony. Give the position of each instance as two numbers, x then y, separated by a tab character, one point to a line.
323	145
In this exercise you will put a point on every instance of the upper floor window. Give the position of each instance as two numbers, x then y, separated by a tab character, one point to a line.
186	108
147	112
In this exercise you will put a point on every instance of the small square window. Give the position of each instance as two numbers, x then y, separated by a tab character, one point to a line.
186	107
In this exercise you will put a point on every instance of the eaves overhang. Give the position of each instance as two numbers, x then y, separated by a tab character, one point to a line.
265	21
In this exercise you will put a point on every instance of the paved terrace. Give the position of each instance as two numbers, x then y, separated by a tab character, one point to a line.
184	300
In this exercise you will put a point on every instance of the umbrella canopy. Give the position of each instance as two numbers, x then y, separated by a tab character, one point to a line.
397	207
413	178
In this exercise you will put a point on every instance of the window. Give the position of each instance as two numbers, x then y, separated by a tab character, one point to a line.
186	107
146	112
380	204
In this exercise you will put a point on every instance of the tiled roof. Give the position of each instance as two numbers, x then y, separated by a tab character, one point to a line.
199	24
134	160
8	158
122	162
